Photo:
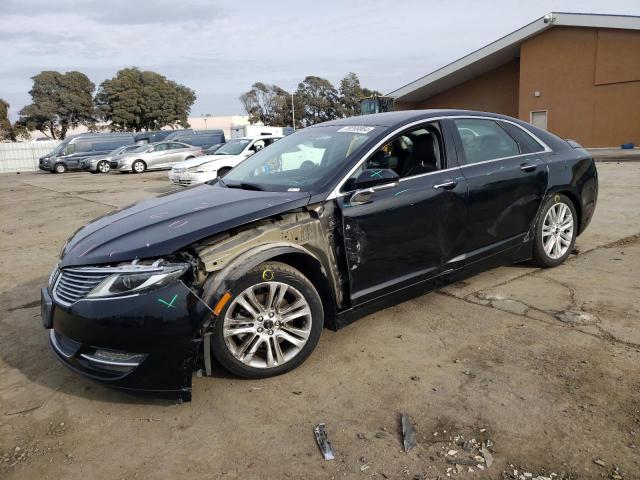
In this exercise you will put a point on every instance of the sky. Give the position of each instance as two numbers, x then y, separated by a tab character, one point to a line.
221	48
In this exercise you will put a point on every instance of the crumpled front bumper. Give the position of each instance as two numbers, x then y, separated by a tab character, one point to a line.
146	343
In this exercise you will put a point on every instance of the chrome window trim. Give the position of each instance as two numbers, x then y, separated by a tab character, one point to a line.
335	192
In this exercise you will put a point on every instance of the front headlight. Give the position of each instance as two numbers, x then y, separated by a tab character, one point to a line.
134	278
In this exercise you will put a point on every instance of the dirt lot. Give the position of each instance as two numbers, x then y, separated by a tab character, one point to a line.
543	363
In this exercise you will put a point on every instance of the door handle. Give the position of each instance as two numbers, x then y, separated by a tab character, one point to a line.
447	185
528	167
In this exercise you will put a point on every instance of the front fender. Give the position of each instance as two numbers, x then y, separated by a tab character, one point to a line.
223	280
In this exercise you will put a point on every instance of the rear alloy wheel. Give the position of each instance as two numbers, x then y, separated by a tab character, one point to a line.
138	166
272	324
60	168
104	167
556	231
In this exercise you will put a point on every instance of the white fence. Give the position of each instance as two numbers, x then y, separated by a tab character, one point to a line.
20	157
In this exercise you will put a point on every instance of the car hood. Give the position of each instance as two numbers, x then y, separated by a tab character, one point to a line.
194	162
163	225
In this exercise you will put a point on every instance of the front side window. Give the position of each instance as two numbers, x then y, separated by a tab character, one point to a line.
305	158
412	153
161	147
484	140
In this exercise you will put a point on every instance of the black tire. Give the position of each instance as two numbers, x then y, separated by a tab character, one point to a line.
141	166
59	168
223	171
540	255
278	272
103	167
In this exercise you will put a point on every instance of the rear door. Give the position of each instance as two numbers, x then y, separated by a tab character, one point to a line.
158	157
411	232
507	179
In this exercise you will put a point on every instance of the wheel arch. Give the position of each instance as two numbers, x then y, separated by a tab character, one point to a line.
293	255
575	200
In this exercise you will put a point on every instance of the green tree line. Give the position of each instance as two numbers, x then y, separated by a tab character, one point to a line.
315	100
133	100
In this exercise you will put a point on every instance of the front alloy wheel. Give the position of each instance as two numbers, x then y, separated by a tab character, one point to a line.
272	324
104	167
555	232
138	166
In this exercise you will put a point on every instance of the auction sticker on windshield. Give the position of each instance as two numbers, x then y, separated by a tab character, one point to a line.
356	129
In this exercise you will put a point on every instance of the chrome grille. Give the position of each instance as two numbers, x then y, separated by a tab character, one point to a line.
74	284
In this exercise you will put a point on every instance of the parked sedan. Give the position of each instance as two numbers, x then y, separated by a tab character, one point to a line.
217	164
326	225
154	156
101	164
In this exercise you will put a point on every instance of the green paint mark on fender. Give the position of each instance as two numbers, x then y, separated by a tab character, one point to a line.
169	304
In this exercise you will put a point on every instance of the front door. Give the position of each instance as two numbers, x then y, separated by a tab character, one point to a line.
408	233
507	180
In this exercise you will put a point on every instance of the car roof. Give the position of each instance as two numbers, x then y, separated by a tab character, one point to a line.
390	119
88	135
258	137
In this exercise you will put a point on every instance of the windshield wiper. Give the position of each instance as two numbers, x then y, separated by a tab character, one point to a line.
245	186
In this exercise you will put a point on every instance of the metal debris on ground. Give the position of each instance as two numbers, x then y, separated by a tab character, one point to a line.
323	442
488	458
408	433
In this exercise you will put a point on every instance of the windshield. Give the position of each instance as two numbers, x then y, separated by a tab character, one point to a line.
58	150
301	159
233	147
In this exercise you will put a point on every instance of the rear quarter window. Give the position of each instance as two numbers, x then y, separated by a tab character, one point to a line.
526	142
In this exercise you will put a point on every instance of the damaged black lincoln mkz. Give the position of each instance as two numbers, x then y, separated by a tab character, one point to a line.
322	227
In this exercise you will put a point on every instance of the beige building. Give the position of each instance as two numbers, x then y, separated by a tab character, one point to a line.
578	75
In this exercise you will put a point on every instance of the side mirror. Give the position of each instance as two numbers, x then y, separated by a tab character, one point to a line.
375	177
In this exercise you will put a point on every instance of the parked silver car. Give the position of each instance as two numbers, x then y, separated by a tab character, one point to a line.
101	164
154	156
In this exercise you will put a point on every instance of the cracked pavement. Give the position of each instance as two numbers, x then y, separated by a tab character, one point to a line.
544	363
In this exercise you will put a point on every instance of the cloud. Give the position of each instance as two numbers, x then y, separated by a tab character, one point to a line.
220	49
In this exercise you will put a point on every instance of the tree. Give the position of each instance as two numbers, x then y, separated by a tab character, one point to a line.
351	93
319	99
6	129
137	100
59	101
267	104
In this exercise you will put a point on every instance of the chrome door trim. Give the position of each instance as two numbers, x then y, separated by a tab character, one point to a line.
335	192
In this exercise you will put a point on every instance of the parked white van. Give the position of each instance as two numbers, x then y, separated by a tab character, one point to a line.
208	167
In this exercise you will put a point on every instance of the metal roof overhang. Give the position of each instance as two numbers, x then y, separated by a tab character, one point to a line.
503	51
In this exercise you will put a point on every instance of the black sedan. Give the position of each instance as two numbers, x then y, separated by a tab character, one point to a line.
328	224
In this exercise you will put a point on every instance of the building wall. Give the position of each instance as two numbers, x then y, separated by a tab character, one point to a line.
589	83
494	91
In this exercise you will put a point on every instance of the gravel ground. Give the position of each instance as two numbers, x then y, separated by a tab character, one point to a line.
516	373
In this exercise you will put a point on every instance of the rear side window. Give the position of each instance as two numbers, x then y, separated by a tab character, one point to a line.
484	140
527	143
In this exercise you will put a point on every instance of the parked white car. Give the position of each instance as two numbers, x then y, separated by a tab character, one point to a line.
208	167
